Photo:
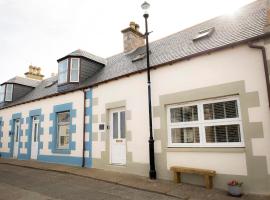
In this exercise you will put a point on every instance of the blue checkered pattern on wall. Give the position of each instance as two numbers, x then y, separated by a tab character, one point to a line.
1	132
29	121
88	128
53	129
11	135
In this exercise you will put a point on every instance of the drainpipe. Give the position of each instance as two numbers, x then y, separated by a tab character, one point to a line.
266	72
83	156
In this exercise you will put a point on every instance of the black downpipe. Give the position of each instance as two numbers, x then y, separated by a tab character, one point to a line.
83	156
266	72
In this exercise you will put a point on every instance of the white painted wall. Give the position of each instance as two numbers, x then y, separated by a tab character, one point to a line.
234	64
223	163
47	108
132	90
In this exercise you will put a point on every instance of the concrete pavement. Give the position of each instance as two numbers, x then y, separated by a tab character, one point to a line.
162	187
19	183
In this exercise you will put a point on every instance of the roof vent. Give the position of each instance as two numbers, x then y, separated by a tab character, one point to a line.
50	84
140	56
204	33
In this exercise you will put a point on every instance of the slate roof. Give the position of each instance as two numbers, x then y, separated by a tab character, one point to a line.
246	24
82	53
24	81
39	92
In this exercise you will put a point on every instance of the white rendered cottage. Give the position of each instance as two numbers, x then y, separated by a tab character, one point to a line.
210	92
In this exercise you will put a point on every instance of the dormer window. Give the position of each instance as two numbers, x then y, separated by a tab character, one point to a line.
62	71
74	69
6	92
69	71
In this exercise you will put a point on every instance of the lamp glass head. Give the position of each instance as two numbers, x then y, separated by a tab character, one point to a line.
145	6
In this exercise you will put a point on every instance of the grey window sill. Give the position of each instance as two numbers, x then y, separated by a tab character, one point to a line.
207	149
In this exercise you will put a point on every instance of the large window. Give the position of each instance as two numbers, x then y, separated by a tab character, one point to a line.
9	92
212	123
63	122
74	69
62	71
2	93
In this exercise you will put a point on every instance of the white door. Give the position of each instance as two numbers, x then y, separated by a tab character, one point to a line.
16	138
34	144
118	137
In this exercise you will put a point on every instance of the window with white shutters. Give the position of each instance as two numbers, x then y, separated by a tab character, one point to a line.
211	123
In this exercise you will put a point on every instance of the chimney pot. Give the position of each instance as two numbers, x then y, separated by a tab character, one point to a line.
34	73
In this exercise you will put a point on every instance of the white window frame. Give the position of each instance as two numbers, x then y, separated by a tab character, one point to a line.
10	92
3	94
202	123
66	77
58	146
70	74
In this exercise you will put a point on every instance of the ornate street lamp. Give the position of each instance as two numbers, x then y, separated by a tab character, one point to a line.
152	172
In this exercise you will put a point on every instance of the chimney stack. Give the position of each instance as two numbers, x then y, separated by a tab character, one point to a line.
34	73
132	37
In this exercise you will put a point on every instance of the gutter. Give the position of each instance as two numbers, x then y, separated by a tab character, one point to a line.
84	104
265	65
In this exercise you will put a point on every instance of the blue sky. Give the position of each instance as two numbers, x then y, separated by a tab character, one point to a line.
38	32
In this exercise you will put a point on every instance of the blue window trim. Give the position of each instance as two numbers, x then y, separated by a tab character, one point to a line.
1	131
68	107
11	133
29	121
88	129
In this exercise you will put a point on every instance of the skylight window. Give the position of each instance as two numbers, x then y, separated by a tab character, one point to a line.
204	33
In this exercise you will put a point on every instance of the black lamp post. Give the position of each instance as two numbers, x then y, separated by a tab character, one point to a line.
152	172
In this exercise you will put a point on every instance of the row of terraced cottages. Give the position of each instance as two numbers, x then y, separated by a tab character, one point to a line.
210	93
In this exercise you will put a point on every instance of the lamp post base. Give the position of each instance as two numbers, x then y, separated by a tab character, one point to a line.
152	171
152	174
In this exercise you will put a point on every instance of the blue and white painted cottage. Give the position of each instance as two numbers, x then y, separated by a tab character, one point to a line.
210	92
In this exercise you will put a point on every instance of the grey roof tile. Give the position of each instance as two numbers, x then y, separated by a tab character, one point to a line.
247	23
24	81
40	91
88	55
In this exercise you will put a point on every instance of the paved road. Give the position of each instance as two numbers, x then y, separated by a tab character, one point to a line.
18	183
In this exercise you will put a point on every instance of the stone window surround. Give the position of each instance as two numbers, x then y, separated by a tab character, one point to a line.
202	123
256	165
